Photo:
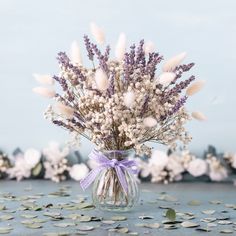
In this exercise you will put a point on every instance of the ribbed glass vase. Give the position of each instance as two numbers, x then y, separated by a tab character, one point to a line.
108	193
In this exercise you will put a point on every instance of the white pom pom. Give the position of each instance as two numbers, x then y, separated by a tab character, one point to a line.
120	47
149	122
166	78
97	33
197	167
75	53
45	92
199	116
149	47
44	79
195	87
64	110
129	99
101	80
171	64
31	157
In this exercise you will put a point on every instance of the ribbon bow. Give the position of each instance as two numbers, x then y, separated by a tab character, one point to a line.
104	163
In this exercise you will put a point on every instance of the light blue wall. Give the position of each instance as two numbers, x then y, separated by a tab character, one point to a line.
32	32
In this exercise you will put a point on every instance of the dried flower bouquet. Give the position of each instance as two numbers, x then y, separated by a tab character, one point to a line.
123	102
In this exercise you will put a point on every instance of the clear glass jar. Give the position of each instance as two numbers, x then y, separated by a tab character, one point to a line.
108	193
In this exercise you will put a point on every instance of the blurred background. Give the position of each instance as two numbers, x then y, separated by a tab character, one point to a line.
33	32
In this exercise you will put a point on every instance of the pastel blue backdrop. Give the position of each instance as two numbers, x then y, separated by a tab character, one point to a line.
32	32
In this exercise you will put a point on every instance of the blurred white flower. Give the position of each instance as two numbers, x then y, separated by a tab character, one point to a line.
143	167
55	164
175	167
32	157
157	164
186	158
159	159
234	161
92	164
56	172
217	172
54	154
197	167
78	171
23	164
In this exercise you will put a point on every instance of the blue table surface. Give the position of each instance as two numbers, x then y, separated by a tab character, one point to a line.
180	194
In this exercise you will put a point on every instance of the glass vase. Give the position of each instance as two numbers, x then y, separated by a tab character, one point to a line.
108	193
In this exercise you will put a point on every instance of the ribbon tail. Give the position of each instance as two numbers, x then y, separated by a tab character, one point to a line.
131	166
85	182
122	179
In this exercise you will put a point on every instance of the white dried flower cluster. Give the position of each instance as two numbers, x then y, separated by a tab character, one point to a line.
23	164
55	163
162	168
78	171
231	158
169	168
217	172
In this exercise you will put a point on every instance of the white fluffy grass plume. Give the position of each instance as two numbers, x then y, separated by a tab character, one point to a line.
45	92
149	122
129	99
149	47
101	80
199	116
171	64
64	110
44	79
166	78
97	33
120	47
75	53
195	87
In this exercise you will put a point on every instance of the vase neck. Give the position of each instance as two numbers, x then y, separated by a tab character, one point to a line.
117	154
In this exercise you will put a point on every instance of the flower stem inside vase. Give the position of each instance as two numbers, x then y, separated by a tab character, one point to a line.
108	192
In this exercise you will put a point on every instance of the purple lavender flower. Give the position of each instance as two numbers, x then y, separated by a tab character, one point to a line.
178	105
178	88
180	69
145	105
62	124
76	123
88	47
111	88
132	55
129	63
101	58
140	57
61	81
154	59
107	53
65	61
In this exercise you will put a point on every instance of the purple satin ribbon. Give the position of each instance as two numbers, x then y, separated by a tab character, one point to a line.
104	163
